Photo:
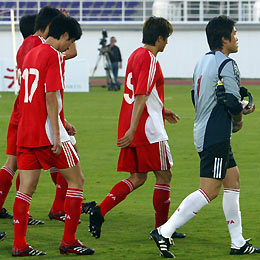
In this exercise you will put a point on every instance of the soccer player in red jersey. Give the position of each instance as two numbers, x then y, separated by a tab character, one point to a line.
7	172
141	130
42	139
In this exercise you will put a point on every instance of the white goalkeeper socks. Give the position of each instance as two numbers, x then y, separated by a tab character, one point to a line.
233	216
189	208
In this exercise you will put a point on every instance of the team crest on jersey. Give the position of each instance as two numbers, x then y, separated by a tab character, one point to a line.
236	72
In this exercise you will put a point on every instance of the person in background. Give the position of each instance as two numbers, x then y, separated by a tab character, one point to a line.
116	62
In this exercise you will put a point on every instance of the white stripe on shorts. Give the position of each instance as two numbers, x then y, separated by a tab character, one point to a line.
217	168
165	154
68	149
73	150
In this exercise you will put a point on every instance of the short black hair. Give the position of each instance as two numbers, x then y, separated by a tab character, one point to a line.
62	24
45	17
155	27
217	28
26	25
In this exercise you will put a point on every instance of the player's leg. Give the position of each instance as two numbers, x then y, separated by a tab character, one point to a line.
161	199
31	221
8	170
232	212
117	194
127	162
188	209
57	210
72	207
6	178
161	196
28	183
212	172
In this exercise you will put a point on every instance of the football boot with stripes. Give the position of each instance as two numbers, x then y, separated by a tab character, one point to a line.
86	206
2	235
95	221
162	243
76	248
4	214
246	249
28	251
32	221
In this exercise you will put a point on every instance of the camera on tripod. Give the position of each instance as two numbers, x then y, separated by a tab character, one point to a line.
103	41
103	54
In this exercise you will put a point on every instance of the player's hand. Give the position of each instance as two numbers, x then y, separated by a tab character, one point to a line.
171	117
127	139
70	128
247	111
57	147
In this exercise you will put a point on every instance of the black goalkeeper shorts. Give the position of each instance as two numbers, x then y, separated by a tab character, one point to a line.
215	160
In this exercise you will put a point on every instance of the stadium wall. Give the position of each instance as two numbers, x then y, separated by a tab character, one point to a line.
186	45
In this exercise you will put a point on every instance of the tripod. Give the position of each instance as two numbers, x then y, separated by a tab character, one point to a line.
103	54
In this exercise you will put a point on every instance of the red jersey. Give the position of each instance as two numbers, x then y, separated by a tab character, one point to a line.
29	43
42	72
144	77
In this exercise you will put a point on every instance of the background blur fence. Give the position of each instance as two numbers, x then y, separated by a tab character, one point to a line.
183	11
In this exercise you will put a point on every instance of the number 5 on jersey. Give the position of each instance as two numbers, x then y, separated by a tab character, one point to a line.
34	86
131	87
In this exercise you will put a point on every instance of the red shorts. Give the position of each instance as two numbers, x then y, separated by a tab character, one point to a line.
44	158
152	157
11	139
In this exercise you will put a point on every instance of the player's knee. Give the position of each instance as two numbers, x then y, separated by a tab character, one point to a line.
213	194
163	177
11	163
167	177
28	189
138	179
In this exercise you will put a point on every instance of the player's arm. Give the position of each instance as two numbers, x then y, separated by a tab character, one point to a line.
53	112
171	117
237	122
138	109
233	98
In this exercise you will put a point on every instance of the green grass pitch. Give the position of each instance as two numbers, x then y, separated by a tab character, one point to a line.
126	229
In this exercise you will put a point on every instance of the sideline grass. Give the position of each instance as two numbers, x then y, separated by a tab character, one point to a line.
126	229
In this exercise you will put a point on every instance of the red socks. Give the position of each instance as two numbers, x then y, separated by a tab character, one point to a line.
6	179
161	203
116	195
61	190
73	205
21	216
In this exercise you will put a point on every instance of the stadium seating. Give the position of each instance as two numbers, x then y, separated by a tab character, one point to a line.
91	10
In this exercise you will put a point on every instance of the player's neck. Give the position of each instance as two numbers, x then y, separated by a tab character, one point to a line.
224	51
53	43
152	48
